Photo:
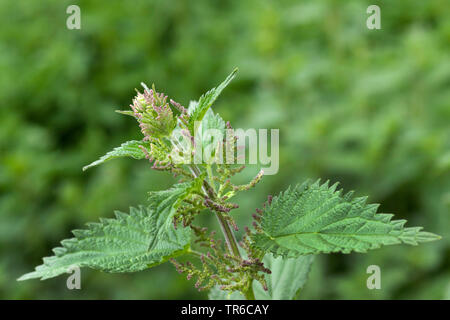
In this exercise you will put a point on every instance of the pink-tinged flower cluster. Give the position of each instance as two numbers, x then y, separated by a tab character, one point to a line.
153	113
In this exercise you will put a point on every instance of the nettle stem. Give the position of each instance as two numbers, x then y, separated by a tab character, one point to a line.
249	294
230	239
228	233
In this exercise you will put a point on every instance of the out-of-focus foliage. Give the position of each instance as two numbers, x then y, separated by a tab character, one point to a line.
369	108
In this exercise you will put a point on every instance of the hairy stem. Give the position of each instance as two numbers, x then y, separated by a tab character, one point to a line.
224	225
229	235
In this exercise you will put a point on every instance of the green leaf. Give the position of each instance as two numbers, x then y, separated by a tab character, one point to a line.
216	294
212	121
211	133
166	202
287	278
314	218
127	149
128	243
198	110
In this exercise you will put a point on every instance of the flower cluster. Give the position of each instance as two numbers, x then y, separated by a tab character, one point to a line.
157	122
219	268
153	113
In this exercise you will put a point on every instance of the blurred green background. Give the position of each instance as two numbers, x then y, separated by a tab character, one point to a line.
368	108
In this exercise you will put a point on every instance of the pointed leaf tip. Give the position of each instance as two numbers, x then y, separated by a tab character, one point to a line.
206	100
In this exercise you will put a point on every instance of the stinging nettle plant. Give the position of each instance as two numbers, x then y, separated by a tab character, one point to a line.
273	258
